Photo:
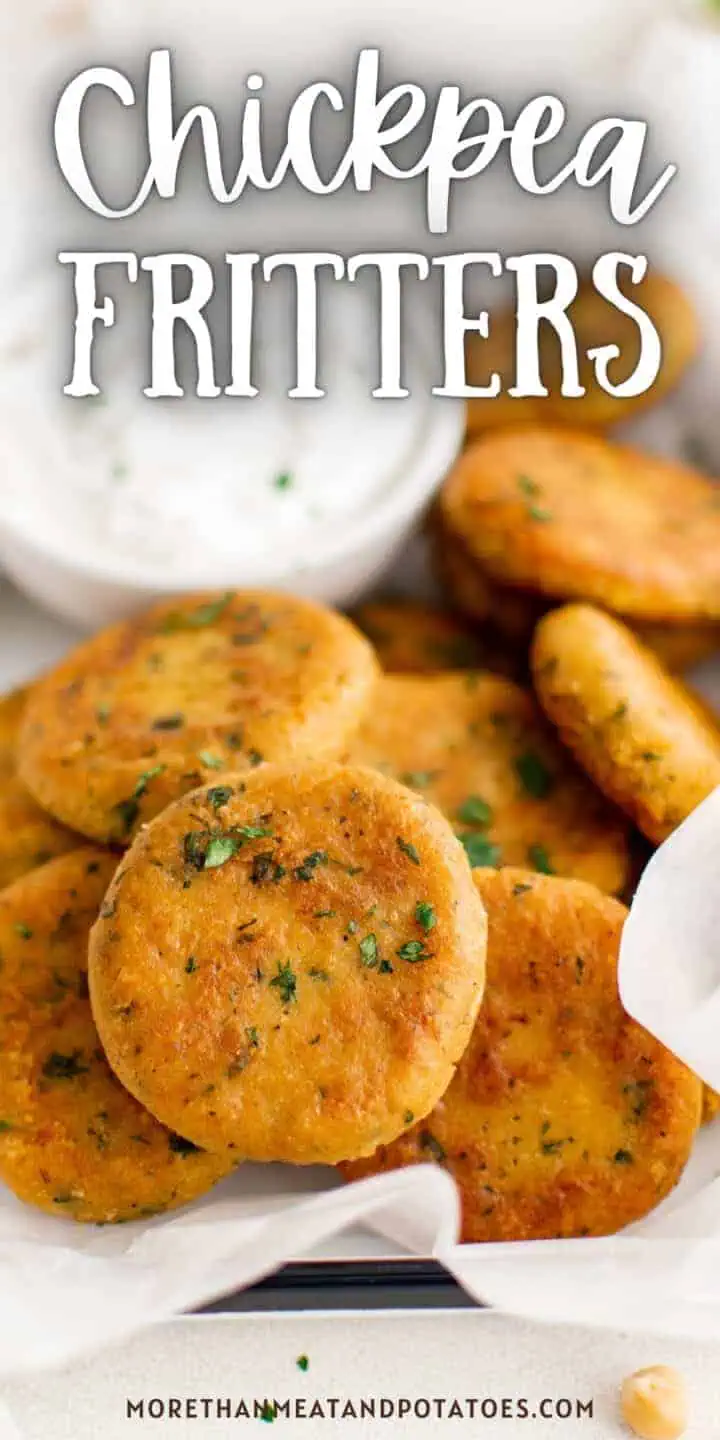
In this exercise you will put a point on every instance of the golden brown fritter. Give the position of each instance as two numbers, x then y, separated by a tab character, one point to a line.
413	638
289	962
28	837
514	612
478	747
12	708
564	1118
568	514
596	323
711	1105
72	1141
152	707
643	738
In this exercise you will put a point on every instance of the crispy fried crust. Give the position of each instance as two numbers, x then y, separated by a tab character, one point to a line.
514	612
711	1105
289	962
28	837
478	748
596	323
643	738
568	514
150	708
417	639
12	708
564	1118
72	1141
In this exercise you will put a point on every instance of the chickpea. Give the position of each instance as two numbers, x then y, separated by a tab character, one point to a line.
654	1403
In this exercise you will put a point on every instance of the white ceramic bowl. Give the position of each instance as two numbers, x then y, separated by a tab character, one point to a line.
95	591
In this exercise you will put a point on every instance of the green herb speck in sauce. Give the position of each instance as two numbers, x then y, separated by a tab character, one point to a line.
527	485
623	1157
191	965
23	930
283	481
538	514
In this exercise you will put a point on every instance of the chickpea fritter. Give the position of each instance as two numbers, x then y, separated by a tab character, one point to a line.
416	639
565	1118
150	708
72	1141
477	746
12	709
596	323
290	962
643	738
568	514
514	612
28	836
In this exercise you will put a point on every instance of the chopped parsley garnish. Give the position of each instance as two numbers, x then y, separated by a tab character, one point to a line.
368	948
210	761
311	862
191	966
302	1363
268	1413
265	867
432	1145
6	1125
325	914
521	888
480	851
538	514
103	713
425	916
528	486
534	775
408	849
623	1157
547	1146
475	811
413	951
408	1118
23	930
286	982
128	810
64	1067
198	619
385	968
538	856
219	796
316	974
283	481
220	849
169	722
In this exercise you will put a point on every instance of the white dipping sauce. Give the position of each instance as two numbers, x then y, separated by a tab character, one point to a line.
212	491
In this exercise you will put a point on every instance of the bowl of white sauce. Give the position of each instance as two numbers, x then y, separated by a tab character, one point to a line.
108	503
